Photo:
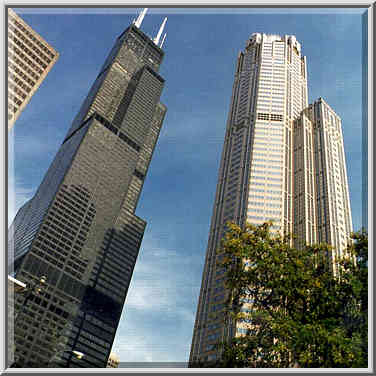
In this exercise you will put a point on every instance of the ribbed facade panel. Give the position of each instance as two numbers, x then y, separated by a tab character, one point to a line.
305	223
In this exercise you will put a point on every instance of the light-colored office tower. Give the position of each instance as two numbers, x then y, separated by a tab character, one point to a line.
30	58
322	210
256	173
271	170
113	361
334	222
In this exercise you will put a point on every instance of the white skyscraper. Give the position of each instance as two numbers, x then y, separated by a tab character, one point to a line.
270	169
334	222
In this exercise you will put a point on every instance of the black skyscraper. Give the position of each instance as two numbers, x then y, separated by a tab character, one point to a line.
80	230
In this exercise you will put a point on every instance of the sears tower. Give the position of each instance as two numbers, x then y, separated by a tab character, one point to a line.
80	229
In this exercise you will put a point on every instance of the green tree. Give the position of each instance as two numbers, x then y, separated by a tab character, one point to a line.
356	320
302	315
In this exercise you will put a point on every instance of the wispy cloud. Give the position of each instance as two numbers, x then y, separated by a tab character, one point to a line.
18	191
159	277
158	314
24	154
18	194
142	345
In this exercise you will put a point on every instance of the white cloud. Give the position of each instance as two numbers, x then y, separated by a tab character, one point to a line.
158	315
146	342
18	194
18	191
137	348
35	145
157	279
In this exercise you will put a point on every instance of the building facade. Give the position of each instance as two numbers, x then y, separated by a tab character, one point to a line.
30	58
270	169
113	361
80	229
334	223
14	287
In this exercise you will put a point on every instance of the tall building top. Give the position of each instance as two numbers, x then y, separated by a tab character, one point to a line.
321	100
30	58
269	38
156	40
35	38
135	30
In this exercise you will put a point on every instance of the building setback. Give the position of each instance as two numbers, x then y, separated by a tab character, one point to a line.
80	229
282	160
30	58
334	223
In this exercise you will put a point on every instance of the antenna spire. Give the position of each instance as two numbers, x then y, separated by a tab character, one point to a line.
138	22
164	37
156	39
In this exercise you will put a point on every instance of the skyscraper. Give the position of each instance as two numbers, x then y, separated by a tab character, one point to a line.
80	229
332	201
274	166
30	58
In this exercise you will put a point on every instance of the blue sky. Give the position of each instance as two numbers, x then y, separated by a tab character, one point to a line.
201	50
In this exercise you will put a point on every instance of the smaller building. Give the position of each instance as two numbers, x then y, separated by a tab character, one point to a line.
30	58
14	286
113	361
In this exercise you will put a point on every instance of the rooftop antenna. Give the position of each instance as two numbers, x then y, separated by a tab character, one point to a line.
156	39
164	37
138	22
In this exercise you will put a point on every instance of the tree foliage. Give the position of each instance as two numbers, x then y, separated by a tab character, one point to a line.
301	315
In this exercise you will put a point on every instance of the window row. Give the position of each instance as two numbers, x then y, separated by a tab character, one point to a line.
270	205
